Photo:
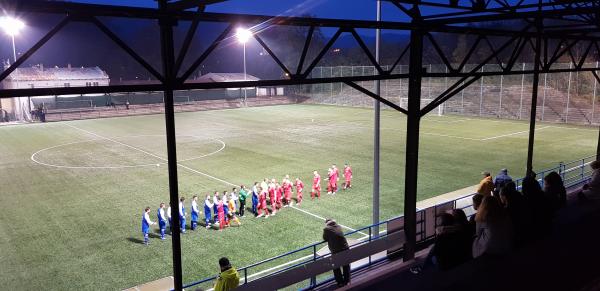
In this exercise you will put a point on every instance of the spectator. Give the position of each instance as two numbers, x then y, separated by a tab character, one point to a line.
477	198
554	189
334	236
517	210
501	179
486	186
229	278
451	246
592	189
493	233
539	206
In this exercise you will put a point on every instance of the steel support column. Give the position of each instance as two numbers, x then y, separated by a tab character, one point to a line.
168	63
534	95
376	137
598	147
412	141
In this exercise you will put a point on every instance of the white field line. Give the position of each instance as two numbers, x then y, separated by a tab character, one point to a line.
190	169
34	158
151	154
451	136
514	133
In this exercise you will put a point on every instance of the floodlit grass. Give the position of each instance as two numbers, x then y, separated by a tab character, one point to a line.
72	220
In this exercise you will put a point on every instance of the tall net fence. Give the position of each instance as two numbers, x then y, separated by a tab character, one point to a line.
562	97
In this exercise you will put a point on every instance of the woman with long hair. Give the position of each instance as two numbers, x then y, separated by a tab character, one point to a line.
493	229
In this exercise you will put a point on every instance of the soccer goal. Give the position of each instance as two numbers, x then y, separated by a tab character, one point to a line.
439	110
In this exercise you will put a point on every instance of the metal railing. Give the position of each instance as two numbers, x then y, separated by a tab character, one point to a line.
573	173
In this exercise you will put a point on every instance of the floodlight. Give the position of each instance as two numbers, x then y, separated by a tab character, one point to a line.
243	35
11	25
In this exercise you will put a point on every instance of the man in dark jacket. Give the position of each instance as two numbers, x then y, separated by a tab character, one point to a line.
501	179
334	236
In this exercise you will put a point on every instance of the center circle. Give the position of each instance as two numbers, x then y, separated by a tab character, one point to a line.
141	152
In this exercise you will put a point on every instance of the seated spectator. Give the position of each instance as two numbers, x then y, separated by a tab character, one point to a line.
554	189
486	186
477	198
501	179
539	206
493	233
517	210
229	278
452	244
592	189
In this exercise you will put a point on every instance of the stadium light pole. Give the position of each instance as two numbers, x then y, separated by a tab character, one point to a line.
243	35
12	26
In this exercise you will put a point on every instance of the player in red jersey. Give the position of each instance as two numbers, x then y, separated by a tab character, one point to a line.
336	178
262	203
272	197
316	186
299	189
287	190
347	176
278	194
330	181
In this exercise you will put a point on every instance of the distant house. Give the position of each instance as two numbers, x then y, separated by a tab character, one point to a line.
40	77
238	77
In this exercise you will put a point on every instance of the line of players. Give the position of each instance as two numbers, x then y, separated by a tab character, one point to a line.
224	207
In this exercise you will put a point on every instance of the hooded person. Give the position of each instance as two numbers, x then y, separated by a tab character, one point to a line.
500	180
229	278
336	241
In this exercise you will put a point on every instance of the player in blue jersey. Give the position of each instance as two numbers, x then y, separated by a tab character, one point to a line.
195	212
208	205
162	220
146	223
182	214
255	198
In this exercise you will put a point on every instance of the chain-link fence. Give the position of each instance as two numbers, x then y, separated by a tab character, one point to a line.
562	97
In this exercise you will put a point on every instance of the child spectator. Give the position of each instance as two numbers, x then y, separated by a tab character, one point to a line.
229	278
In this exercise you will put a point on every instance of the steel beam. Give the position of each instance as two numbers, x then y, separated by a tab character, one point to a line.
168	63
412	142
534	96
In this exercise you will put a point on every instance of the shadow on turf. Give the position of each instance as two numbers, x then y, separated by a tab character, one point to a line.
141	241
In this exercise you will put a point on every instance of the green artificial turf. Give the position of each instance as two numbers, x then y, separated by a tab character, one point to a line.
72	219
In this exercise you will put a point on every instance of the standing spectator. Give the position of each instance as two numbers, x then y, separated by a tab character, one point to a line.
501	179
554	189
229	278
592	189
493	232
242	197
334	236
127	104
486	186
477	198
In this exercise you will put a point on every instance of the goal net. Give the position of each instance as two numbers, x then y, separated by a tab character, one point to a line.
439	110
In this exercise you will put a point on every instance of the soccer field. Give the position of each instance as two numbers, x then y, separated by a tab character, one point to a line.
73	193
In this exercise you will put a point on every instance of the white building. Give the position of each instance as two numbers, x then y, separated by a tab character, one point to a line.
40	77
